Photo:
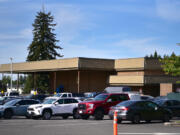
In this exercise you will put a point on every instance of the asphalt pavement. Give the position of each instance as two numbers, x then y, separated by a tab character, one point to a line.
58	126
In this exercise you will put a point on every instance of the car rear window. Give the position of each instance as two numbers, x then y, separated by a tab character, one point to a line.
126	103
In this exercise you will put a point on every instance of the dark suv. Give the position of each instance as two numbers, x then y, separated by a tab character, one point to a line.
100	105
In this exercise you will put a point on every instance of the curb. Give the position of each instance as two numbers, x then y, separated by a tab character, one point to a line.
172	124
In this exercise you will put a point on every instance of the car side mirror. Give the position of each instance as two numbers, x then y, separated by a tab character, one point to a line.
17	105
109	100
56	103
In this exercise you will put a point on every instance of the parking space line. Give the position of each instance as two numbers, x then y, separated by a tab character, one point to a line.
148	133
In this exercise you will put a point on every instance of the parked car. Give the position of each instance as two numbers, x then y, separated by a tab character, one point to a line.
3	100
16	107
63	95
147	97
55	106
136	111
100	105
90	95
39	97
12	94
173	105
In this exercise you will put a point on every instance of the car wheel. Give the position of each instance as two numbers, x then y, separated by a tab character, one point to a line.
28	117
76	114
65	116
46	115
119	121
85	117
148	121
166	118
98	115
136	119
8	114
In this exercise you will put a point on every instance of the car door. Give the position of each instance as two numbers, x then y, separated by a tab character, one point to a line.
20	108
175	108
59	107
68	105
155	111
142	109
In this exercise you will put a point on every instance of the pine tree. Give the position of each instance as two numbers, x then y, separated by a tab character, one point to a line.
43	46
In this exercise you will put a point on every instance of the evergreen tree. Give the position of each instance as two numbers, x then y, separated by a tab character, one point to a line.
43	47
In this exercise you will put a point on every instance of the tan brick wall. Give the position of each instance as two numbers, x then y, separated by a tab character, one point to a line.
165	88
130	73
129	64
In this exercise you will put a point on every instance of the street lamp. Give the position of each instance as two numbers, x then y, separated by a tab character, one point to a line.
11	71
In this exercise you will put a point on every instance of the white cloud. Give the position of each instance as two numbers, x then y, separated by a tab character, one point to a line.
168	9
144	46
23	34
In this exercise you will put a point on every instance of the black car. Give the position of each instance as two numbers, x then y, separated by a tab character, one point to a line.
173	105
136	111
39	97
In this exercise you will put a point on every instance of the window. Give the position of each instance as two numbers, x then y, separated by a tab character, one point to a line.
64	95
174	102
60	101
68	101
69	95
151	105
74	101
30	102
22	102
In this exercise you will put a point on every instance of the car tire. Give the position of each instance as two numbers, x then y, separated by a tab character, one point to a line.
28	117
46	115
8	114
65	116
85	117
136	119
166	118
119	121
99	114
148	121
76	114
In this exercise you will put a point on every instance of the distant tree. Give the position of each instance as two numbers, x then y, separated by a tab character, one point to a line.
43	47
171	64
154	56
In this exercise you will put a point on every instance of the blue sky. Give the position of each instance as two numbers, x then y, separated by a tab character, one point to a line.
93	28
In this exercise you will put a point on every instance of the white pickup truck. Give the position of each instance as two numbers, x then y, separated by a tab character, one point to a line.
55	106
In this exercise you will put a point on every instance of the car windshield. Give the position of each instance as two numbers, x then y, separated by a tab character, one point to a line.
100	97
126	103
49	101
12	102
57	95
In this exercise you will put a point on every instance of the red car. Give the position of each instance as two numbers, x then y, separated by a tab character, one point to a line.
100	105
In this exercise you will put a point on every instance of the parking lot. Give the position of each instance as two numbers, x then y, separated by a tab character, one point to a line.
58	126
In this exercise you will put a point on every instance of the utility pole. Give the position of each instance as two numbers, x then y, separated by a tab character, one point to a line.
11	71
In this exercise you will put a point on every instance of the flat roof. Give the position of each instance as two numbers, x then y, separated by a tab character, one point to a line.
82	63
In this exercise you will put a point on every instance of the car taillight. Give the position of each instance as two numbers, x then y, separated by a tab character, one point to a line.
124	109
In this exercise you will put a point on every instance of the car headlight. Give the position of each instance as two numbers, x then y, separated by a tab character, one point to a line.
38	107
90	106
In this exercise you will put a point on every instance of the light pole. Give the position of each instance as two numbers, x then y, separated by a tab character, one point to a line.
11	71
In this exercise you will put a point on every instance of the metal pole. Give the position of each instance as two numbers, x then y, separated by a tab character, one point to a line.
11	72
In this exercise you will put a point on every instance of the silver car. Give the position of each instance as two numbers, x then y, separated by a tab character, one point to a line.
16	107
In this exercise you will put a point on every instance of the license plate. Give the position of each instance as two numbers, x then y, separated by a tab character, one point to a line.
80	111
